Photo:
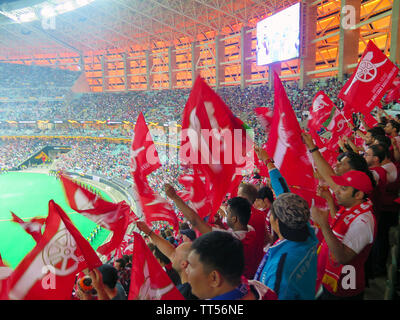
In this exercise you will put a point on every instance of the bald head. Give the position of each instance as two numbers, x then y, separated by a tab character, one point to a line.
179	262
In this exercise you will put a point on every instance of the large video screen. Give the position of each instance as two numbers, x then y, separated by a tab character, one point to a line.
278	36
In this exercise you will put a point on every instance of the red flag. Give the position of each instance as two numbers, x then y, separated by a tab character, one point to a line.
370	81
339	128
393	95
320	110
48	272
285	143
5	273
213	140
112	216
265	116
154	207
197	193
33	226
149	281
143	149
329	155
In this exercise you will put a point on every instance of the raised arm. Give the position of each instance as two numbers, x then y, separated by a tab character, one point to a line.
164	245
323	167
278	182
188	212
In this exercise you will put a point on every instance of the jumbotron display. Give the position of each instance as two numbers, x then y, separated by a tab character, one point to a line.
278	36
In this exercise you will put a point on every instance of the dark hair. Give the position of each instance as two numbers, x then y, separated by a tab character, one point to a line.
122	262
365	197
395	125
376	131
109	274
358	162
384	141
250	191
379	151
383	121
240	208
221	251
266	192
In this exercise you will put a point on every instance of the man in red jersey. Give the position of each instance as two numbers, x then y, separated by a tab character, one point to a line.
348	238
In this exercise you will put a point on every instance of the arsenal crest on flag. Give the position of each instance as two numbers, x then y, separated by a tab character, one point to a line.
370	81
319	111
48	272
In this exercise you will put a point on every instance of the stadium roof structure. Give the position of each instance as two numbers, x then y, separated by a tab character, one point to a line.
27	27
127	45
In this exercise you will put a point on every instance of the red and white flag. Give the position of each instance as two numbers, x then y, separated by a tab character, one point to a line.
112	216
149	281
370	81
285	143
338	127
144	160
265	116
393	95
143	150
213	140
5	272
48	272
197	193
154	207
33	226
320	110
329	155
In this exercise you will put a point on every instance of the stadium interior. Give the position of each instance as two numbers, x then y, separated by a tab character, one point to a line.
76	74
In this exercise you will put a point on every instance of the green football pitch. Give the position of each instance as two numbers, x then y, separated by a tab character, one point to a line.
27	195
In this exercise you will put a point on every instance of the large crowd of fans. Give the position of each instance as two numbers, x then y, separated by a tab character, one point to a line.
273	245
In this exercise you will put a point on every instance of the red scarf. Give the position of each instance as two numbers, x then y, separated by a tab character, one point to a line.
329	271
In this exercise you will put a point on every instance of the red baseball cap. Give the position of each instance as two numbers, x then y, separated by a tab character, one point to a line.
356	179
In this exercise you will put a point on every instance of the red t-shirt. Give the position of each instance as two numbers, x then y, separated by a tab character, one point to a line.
258	220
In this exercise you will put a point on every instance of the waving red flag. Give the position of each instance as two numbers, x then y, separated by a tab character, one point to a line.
370	81
320	110
339	128
154	207
33	226
265	116
393	95
329	155
213	140
48	272
112	216
143	151
149	281
285	143
5	273
197	193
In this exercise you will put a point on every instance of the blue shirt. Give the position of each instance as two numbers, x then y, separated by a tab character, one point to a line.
290	268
